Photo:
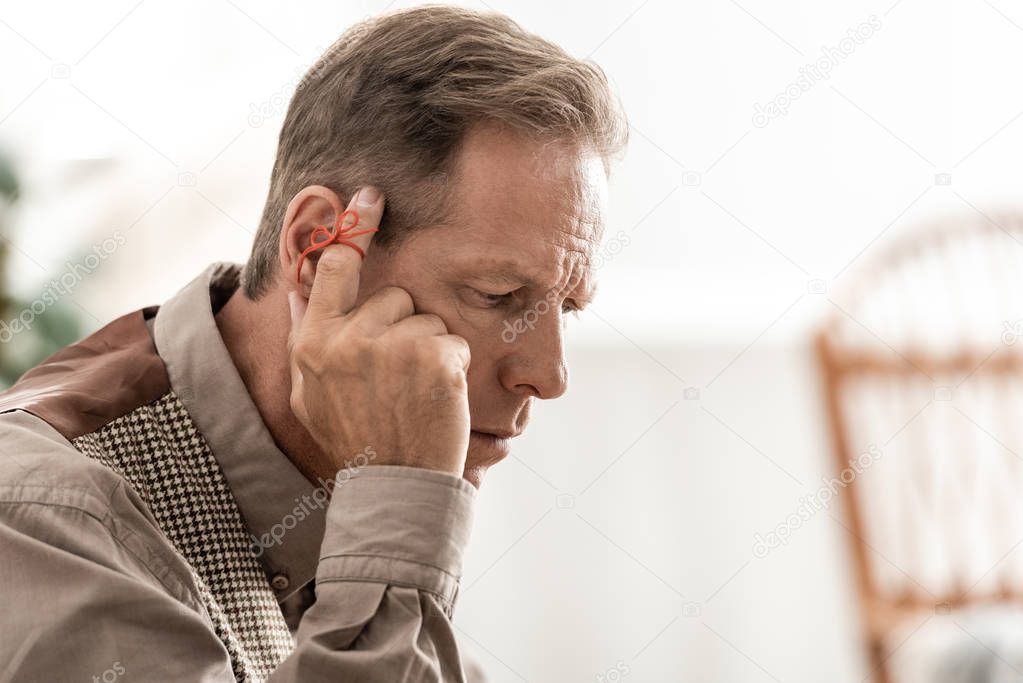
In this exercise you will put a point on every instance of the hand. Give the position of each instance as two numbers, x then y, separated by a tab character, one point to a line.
377	375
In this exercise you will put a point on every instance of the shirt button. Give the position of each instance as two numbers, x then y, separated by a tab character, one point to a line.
280	581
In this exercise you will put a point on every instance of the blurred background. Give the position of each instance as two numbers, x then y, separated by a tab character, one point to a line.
814	258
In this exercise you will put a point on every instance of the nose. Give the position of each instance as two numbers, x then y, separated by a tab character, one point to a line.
534	363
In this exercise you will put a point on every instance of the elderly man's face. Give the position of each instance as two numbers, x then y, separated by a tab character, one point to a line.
527	219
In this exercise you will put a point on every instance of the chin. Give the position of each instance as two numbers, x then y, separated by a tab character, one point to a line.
484	450
474	474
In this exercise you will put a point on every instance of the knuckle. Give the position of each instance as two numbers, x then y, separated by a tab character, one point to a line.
353	351
425	348
460	351
460	345
441	352
397	296
433	320
429	353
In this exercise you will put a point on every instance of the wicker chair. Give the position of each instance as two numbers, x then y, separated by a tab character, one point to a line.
922	362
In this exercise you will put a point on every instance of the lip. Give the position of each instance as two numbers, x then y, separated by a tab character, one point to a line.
502	436
498	445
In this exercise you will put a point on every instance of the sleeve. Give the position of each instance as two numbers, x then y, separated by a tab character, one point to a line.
90	595
387	581
87	597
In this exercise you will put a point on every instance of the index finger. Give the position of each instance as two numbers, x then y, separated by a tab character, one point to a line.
336	280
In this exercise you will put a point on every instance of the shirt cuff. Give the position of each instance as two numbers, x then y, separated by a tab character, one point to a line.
398	525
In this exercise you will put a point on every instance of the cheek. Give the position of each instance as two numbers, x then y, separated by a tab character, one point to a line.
482	328
486	348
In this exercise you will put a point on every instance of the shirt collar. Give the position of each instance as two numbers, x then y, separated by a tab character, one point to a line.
283	511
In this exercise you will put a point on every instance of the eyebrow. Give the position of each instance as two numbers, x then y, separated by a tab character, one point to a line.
505	271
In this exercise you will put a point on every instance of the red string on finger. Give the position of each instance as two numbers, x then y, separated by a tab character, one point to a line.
321	237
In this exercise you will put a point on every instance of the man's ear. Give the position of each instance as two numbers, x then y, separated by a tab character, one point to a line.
311	207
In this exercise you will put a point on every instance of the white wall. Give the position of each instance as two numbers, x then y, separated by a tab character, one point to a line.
671	522
115	110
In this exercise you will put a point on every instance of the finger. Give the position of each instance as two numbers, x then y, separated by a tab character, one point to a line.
421	325
458	349
386	307
336	281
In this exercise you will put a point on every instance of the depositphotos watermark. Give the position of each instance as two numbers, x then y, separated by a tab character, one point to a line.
615	673
111	674
277	103
1012	331
527	321
305	505
814	72
814	503
73	274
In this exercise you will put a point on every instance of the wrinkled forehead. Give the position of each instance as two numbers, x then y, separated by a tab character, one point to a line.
538	201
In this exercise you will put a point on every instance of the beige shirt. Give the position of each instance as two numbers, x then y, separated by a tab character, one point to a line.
99	575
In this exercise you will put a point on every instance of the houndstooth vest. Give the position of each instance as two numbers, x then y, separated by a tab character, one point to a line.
109	395
158	450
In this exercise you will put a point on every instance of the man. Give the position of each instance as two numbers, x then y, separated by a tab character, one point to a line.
174	486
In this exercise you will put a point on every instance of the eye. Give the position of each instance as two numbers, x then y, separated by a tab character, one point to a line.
489	299
569	307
